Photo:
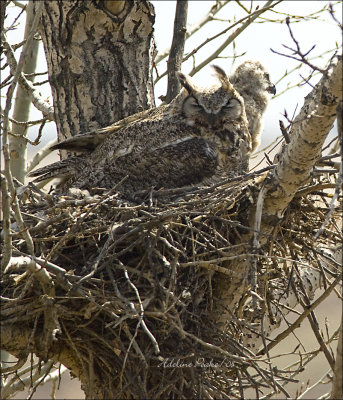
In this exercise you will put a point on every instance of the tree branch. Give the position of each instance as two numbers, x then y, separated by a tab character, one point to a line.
6	209
17	73
269	4
22	105
177	48
194	28
308	133
307	312
40	155
248	18
337	385
35	97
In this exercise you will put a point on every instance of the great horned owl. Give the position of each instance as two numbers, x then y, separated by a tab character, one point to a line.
200	136
252	82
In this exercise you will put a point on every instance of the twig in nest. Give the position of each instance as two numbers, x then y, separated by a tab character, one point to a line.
80	220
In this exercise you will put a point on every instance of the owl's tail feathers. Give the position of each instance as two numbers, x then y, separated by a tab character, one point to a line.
60	169
81	143
87	142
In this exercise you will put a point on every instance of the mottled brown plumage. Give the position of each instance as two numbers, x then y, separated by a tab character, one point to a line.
201	136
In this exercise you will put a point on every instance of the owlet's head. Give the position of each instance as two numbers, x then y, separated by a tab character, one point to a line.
211	106
251	77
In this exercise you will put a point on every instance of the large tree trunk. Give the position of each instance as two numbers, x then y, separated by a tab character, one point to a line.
100	57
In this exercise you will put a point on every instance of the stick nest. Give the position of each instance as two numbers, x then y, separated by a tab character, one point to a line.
135	297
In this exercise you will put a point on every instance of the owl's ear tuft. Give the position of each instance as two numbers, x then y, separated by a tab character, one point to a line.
186	82
223	78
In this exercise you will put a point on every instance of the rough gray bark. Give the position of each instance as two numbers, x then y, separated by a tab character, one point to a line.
99	57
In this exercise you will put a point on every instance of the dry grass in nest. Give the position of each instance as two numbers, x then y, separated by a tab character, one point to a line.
137	292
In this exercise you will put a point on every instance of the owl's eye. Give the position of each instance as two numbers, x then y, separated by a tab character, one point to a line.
233	108
231	104
190	106
193	102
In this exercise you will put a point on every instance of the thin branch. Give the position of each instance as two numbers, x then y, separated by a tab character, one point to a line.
256	244
312	317
18	4
332	203
36	98
300	319
332	13
196	27
6	209
7	172
223	32
337	385
297	53
177	48
269	4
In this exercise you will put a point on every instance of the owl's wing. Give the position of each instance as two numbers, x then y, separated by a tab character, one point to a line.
89	141
61	169
174	165
83	143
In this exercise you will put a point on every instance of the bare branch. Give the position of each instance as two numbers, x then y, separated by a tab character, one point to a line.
22	105
307	312
248	18
177	48
297	54
34	94
269	4
337	385
194	28
307	133
18	4
7	171
6	209
40	155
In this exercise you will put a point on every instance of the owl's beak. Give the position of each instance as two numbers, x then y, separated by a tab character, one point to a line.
271	89
212	119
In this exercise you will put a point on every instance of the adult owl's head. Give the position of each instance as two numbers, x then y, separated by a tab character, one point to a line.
211	106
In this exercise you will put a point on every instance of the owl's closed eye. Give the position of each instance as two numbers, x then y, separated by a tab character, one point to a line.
232	109
213	106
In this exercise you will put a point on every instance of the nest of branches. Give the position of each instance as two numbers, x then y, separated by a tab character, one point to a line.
130	287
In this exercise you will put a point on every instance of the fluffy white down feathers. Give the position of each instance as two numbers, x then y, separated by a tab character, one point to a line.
252	82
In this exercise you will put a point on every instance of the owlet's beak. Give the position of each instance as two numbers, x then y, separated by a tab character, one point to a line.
271	89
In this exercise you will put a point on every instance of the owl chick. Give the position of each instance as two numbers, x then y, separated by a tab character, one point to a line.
201	135
252	82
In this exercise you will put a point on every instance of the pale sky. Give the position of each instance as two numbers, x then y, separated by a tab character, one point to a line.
256	41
